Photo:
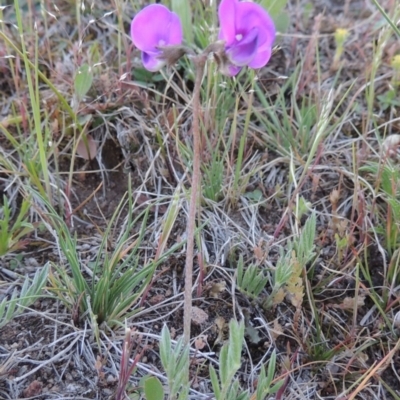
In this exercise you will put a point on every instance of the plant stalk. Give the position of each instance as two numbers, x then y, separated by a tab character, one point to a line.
199	63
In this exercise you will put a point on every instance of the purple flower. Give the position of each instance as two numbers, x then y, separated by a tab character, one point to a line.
248	32
153	28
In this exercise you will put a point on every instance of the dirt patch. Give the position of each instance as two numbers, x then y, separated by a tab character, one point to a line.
42	357
328	343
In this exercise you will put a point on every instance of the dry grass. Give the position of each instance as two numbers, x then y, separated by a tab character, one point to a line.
301	137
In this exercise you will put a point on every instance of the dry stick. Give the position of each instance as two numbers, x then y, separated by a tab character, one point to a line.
52	359
285	215
376	369
199	62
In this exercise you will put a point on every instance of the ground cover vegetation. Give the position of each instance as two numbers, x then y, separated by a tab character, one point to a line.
295	286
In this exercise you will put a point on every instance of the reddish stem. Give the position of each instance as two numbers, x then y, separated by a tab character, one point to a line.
199	62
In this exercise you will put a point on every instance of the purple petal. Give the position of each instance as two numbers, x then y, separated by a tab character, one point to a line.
175	31
155	26
229	69
249	34
151	61
250	15
233	70
244	50
226	14
261	59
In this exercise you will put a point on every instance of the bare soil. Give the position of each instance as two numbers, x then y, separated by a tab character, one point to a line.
44	354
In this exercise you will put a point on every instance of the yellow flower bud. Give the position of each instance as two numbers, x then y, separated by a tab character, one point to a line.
396	62
341	35
396	70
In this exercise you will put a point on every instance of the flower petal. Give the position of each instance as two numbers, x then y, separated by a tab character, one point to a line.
155	26
248	32
151	61
175	31
243	52
251	15
261	58
226	15
229	69
233	70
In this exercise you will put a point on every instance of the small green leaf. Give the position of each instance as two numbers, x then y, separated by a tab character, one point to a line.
275	10
215	383
274	7
239	272
153	389
255	195
277	386
165	347
175	360
271	367
252	334
282	22
83	81
302	207
224	364
236	338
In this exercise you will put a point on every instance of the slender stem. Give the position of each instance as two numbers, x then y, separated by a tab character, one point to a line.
199	62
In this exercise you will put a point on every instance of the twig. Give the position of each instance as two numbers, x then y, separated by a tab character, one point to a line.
49	361
199	62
